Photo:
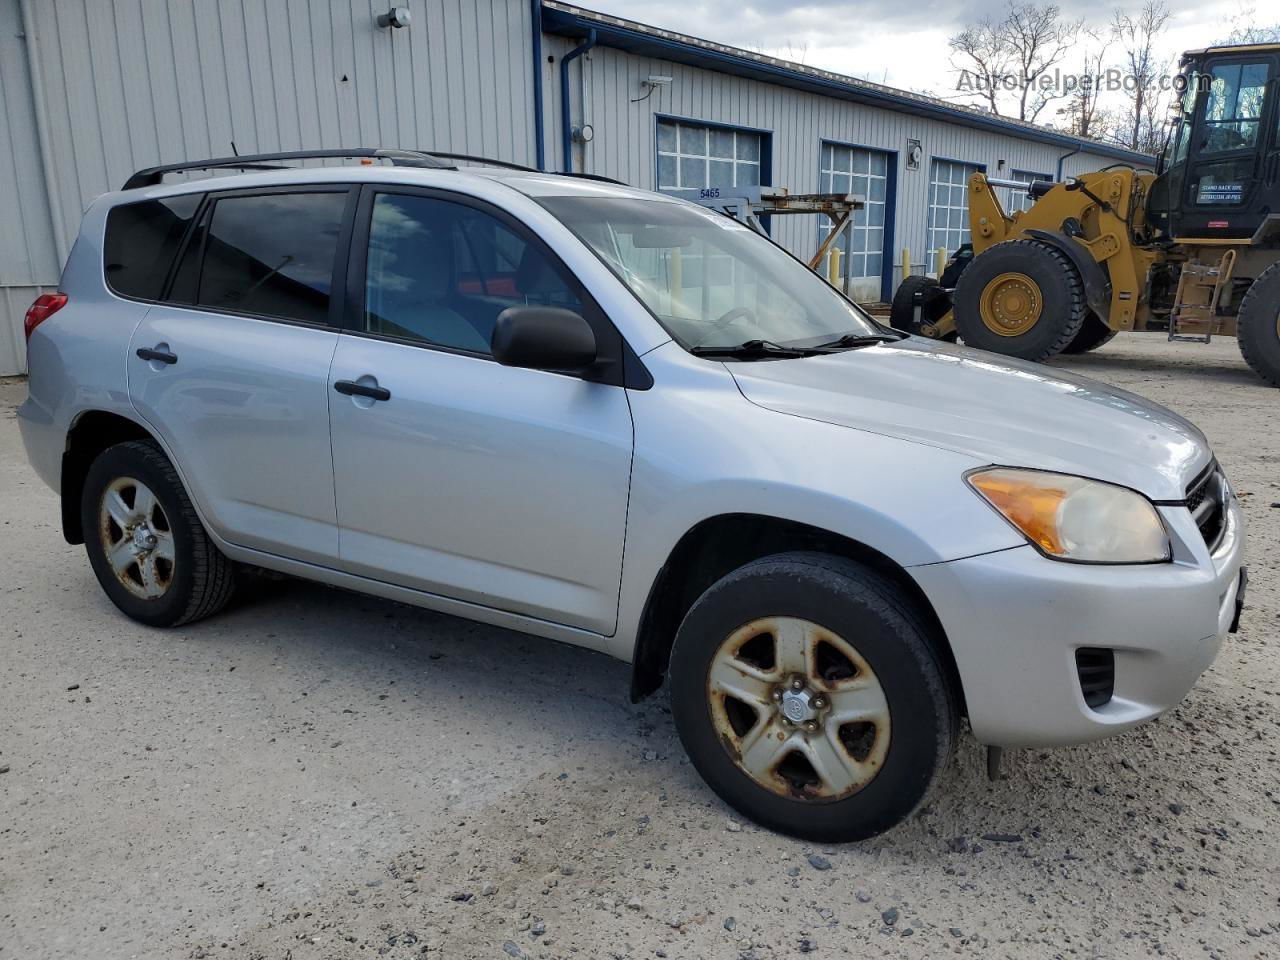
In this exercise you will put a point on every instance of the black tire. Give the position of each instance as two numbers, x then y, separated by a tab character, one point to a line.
201	580
1092	335
1257	325
1063	307
848	600
902	311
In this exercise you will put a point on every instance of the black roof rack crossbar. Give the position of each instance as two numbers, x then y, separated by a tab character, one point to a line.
151	176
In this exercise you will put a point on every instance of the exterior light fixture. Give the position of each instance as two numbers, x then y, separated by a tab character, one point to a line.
584	134
395	17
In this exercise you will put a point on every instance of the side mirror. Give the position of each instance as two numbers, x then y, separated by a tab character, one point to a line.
543	338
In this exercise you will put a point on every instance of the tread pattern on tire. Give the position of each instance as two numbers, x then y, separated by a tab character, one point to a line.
1078	308
213	574
1255	311
1100	337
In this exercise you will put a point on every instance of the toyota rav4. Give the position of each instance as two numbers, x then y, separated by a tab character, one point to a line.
621	420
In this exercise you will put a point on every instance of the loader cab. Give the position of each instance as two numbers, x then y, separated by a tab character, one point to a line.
1219	174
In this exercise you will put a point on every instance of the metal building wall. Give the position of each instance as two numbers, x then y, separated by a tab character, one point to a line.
130	83
604	80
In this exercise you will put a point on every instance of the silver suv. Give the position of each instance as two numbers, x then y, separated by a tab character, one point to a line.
612	418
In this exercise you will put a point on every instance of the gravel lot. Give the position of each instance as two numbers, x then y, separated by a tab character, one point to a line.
321	775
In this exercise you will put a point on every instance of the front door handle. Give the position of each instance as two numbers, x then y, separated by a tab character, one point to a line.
350	388
157	356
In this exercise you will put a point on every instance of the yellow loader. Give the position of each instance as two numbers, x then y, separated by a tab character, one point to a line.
1193	248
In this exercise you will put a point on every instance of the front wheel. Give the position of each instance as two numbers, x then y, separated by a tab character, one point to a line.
809	695
1022	298
145	542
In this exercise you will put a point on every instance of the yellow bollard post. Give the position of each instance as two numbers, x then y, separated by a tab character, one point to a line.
833	267
942	260
906	263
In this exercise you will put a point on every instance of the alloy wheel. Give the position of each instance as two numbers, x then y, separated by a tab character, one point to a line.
799	709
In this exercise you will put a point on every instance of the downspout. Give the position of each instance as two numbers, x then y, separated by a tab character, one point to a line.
566	131
539	131
42	132
1064	157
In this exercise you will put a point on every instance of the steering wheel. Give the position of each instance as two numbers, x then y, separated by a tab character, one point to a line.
726	318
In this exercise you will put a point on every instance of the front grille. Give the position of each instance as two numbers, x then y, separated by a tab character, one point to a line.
1096	668
1207	501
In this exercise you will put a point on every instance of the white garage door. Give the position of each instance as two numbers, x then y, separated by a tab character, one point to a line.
864	173
948	205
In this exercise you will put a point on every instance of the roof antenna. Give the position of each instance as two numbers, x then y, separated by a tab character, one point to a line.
234	151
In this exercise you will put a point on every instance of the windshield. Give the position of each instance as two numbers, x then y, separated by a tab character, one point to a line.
710	281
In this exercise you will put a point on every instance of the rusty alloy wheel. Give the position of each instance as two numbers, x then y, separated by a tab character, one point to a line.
799	709
136	538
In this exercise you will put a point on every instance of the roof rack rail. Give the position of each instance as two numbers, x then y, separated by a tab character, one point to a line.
150	176
508	165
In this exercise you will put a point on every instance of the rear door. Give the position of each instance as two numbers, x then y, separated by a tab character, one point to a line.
455	475
231	369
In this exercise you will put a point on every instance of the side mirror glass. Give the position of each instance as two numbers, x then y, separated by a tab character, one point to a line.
543	338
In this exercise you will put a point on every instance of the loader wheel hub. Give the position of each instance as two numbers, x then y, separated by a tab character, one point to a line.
1011	304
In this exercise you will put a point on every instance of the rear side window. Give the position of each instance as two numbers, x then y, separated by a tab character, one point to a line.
271	255
141	241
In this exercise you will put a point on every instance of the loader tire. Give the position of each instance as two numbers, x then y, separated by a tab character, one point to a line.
1092	335
1021	298
934	308
1258	325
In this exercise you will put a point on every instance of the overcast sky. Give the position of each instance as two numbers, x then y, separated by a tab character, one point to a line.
902	43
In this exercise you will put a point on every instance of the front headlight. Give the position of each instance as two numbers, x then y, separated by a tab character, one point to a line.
1071	518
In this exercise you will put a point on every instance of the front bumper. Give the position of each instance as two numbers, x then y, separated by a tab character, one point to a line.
1015	619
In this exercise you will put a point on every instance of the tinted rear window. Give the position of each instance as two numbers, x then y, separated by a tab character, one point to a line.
272	255
141	241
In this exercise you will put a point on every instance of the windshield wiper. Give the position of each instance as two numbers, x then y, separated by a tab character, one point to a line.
852	340
755	350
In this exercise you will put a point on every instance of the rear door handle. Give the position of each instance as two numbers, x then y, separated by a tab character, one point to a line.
352	389
157	356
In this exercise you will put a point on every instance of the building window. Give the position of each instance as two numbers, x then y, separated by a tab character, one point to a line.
699	156
863	173
949	204
1017	200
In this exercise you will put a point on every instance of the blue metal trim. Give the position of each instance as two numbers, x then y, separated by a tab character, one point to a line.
566	129
539	120
572	24
890	206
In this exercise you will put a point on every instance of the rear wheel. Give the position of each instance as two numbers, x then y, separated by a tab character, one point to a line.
1021	298
146	545
1093	334
808	694
934	305
1258	325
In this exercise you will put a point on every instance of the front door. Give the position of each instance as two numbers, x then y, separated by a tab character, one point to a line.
232	369
1226	171
501	487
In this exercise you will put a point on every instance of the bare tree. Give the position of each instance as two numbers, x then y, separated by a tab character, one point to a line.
1138	37
1243	29
981	57
1011	58
1039	39
1081	111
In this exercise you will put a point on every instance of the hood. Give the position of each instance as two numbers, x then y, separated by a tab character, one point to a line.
996	409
